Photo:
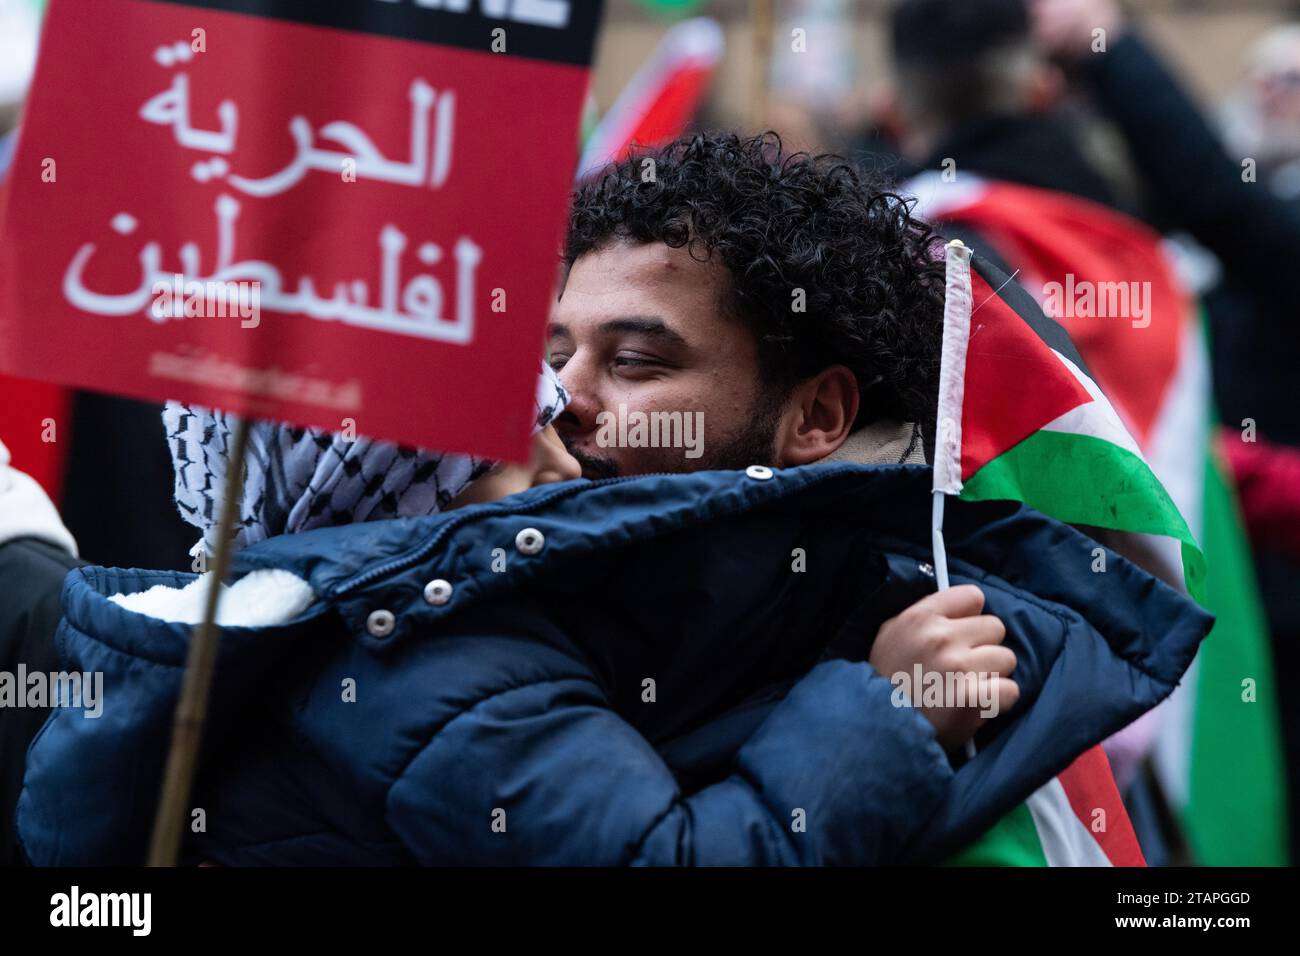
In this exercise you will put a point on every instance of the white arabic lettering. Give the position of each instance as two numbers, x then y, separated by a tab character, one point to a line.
171	108
421	299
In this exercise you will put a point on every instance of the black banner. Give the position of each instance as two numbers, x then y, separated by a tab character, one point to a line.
928	910
561	31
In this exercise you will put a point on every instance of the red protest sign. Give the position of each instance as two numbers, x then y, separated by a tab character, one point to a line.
299	211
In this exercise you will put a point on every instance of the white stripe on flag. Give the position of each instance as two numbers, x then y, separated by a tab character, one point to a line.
1097	418
937	196
1065	839
1178	442
952	369
1100	419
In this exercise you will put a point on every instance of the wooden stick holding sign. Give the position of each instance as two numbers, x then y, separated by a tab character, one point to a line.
192	708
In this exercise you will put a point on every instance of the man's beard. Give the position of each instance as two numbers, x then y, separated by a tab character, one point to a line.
593	467
755	445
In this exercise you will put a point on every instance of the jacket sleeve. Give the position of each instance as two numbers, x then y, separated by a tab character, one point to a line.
547	774
1192	182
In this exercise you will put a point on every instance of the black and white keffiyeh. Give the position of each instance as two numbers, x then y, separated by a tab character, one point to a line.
300	478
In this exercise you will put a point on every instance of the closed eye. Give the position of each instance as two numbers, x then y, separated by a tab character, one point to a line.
634	361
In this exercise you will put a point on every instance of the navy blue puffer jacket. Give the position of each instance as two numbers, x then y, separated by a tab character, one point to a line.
663	670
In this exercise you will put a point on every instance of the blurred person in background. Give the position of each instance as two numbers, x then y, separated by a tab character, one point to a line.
972	87
1255	328
1261	119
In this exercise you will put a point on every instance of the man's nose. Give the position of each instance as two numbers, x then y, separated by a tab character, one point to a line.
579	416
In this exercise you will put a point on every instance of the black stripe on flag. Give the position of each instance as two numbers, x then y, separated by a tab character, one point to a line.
1023	304
470	29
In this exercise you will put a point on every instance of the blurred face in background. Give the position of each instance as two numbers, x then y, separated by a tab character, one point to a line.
1277	83
1263	118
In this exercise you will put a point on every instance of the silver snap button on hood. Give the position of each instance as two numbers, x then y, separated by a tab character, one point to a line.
529	541
761	472
381	623
437	591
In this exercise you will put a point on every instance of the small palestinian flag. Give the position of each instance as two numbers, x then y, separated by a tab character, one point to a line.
1020	418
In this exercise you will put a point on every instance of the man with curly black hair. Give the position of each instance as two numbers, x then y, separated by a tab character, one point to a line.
783	297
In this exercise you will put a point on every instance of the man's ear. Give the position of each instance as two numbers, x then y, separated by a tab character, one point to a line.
818	417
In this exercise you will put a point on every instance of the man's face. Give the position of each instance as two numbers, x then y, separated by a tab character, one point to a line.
641	328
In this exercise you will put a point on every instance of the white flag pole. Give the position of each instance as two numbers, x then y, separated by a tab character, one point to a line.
952	385
952	388
936	541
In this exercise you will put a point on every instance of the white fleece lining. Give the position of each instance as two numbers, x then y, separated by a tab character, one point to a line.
259	599
26	511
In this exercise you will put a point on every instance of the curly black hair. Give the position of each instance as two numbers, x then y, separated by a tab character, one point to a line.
872	281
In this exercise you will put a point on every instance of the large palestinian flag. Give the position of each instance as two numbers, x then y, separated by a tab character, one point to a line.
1216	749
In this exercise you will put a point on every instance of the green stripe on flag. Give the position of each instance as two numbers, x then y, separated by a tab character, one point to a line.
1080	479
1012	841
1236	813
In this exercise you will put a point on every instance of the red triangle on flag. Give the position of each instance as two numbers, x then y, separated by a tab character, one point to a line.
1015	383
1089	786
1063	239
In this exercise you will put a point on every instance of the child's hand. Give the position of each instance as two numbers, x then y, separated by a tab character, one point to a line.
946	634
